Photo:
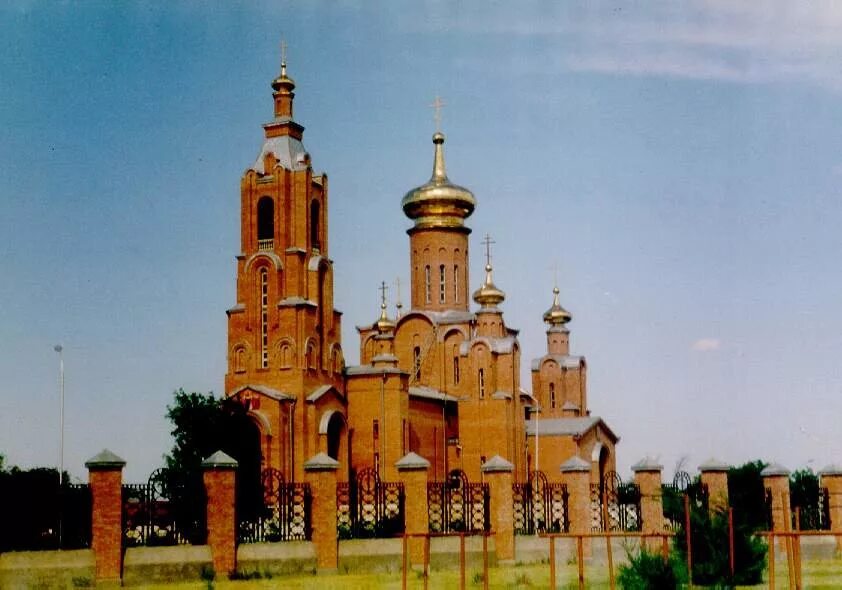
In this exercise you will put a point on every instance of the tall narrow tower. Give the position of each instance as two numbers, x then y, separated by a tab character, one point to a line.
438	240
283	333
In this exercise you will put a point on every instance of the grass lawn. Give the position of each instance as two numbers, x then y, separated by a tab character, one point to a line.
820	575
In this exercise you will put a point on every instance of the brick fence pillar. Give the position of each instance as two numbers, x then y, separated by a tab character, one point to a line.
776	480
220	475
412	471
576	474
647	476
715	478
105	475
498	474
832	480
320	472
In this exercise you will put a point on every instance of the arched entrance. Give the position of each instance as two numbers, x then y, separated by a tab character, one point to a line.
334	431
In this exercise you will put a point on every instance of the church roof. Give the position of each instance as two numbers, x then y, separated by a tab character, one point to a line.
430	393
288	150
567	361
498	345
566	426
267	391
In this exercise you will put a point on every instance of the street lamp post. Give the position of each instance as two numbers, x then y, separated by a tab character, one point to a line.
58	348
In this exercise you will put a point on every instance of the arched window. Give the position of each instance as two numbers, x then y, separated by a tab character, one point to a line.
416	362
286	356
481	383
456	284
428	295
239	359
264	318
315	243
456	365
441	283
552	395
265	223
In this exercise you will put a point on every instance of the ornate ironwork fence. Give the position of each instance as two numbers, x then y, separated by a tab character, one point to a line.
813	512
39	514
165	510
615	506
456	505
539	506
367	507
285	515
672	495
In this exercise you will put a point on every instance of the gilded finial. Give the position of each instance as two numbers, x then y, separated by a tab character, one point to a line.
283	58
557	315
383	322
398	304
488	295
437	105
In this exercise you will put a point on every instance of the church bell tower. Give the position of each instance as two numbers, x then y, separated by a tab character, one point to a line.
284	333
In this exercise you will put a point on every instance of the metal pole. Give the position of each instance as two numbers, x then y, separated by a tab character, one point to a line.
552	562
771	560
689	541
731	541
58	348
580	559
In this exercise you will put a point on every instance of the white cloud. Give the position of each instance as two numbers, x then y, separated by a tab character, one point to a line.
744	42
706	344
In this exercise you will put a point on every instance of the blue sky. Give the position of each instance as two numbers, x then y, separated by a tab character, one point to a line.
679	161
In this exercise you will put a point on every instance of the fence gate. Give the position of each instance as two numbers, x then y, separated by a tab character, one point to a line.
456	505
163	511
539	506
368	507
615	506
672	495
813	511
285	514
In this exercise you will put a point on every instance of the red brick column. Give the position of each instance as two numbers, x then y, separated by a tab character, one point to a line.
647	476
498	474
220	484
320	472
715	477
576	474
105	474
776	479
831	478
412	471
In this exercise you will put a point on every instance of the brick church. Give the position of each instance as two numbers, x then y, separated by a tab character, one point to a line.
441	380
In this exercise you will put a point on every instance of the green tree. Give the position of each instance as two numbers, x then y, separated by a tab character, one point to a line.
804	492
203	424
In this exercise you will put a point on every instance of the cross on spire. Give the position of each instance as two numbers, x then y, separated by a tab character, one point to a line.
437	104
487	241
283	57
383	288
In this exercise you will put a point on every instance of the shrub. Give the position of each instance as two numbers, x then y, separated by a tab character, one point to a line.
649	571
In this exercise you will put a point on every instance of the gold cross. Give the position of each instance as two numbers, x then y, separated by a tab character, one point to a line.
437	104
488	241
382	290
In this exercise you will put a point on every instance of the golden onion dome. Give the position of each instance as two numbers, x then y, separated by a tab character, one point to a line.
438	203
383	323
557	315
488	295
283	81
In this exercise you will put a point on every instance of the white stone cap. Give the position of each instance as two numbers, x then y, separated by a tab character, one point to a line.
411	461
497	464
647	464
105	459
321	462
832	469
714	465
774	469
219	460
575	463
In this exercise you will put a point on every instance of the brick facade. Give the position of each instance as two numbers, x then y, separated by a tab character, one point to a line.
105	473
220	477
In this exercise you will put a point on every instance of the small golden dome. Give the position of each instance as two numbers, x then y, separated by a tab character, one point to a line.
488	295
283	81
557	315
383	323
438	203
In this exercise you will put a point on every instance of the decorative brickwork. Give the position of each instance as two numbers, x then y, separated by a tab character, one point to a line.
776	482
831	478
220	484
320	471
715	477
647	475
105	472
498	474
412	471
